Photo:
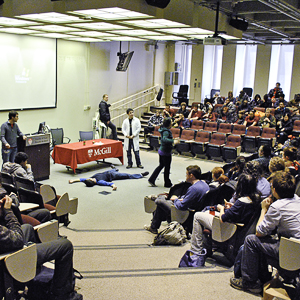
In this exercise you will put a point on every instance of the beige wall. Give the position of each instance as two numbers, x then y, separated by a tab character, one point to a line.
295	86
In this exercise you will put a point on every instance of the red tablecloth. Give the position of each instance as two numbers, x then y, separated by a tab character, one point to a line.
76	153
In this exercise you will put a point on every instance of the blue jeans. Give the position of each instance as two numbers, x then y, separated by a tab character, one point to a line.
136	154
9	154
112	175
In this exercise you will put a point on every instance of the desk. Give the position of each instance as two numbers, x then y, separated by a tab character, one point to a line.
76	153
26	206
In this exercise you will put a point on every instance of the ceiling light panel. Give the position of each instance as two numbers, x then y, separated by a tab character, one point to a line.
18	30
186	31
113	13
125	39
54	35
14	22
155	23
52	17
93	34
166	37
100	26
138	32
54	28
86	40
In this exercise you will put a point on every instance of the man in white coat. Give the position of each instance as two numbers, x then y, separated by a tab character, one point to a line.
131	128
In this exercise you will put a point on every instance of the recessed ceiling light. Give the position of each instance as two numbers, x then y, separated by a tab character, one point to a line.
155	23
186	31
165	37
18	30
137	32
86	40
100	26
93	34
53	17
125	39
113	13
54	28
228	37
15	22
54	35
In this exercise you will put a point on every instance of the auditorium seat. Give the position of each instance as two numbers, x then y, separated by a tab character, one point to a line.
200	143
197	125
186	137
154	138
211	126
268	137
225	128
232	149
239	130
214	147
250	139
296	128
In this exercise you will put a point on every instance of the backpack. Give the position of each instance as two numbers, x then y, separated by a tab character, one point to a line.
174	234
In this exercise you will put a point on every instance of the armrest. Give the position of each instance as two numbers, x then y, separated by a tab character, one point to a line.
27	206
149	205
47	231
179	215
288	254
69	140
222	232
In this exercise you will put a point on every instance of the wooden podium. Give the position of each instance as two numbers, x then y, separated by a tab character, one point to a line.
37	147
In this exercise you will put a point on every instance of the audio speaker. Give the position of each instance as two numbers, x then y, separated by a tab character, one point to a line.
1	2
158	3
239	24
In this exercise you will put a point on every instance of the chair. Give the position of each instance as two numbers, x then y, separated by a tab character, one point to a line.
248	91
268	137
154	138
250	139
272	111
24	183
29	196
206	176
186	137
197	125
296	128
289	258
227	167
7	178
211	126
217	108
232	149
175	132
239	130
149	204
214	148
225	128
212	92
58	137
9	188
20	266
85	135
200	143
182	94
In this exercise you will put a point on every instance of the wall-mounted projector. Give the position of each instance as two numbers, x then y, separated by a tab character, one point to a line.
214	41
124	60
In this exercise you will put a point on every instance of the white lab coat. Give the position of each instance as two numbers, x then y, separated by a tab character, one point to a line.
136	128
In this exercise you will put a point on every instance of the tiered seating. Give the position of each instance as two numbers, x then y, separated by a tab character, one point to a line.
201	141
296	128
197	125
225	128
250	139
211	126
232	148
154	138
268	137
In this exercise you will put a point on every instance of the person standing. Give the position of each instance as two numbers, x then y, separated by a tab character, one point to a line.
131	128
165	153
9	134
105	116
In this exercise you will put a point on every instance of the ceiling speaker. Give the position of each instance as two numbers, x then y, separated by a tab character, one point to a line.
158	3
239	24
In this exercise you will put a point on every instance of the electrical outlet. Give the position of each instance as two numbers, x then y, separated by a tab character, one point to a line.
195	84
87	107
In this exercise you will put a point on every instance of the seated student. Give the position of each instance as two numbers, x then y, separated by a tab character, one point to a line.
290	157
195	114
217	99
284	129
281	111
240	118
106	178
265	154
280	99
265	101
168	112
256	101
13	237
210	116
241	98
240	212
207	105
193	195
231	107
183	110
181	122
276	164
244	106
230	97
237	170
20	167
267	120
225	116
218	178
282	216
251	119
155	120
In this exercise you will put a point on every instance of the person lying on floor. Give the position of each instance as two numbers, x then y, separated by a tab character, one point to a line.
106	178
240	212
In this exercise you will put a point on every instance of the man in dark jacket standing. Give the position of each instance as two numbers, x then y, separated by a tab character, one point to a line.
105	116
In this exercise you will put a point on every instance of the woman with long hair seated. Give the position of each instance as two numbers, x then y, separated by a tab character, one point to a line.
290	157
218	178
240	212
238	168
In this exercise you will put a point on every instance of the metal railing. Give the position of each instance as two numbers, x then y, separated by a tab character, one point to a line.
140	102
